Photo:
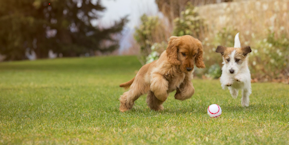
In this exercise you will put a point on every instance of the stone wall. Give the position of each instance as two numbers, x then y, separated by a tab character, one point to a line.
251	16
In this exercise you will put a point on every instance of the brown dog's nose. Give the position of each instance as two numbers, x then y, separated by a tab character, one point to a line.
189	69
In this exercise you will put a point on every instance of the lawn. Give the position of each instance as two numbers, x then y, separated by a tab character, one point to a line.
75	101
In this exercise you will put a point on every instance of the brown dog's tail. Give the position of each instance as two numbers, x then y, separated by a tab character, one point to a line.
127	84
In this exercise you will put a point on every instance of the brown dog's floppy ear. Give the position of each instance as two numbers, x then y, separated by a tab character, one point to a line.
199	58
221	49
246	50
172	51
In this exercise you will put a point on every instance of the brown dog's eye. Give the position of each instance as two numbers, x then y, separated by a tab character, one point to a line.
184	54
228	59
237	60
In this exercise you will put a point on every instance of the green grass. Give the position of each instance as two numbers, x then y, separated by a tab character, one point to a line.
75	101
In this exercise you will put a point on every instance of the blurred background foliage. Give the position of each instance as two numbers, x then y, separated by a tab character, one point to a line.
152	30
262	24
64	29
35	26
189	23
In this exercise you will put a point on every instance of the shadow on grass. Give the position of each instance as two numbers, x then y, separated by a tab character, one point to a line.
257	107
202	109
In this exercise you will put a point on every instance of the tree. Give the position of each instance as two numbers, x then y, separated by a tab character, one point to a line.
20	24
151	31
75	34
27	23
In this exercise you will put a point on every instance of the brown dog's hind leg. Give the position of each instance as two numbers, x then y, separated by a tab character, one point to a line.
127	100
153	102
123	105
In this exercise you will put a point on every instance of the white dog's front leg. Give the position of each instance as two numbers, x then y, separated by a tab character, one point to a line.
234	92
239	78
226	81
245	97
246	91
244	77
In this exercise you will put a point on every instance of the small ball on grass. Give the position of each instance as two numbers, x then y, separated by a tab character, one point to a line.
214	110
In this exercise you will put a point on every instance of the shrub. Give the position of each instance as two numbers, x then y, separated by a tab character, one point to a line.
149	32
156	50
270	49
189	23
270	57
214	71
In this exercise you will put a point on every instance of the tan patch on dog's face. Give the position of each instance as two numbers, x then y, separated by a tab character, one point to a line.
228	51
234	54
238	55
233	58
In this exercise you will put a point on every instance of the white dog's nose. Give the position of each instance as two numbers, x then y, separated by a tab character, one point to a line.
231	71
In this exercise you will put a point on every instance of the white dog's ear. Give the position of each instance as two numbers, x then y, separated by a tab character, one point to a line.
246	50
221	49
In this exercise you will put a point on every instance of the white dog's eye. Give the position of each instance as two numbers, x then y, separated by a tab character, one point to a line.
228	59
184	54
237	60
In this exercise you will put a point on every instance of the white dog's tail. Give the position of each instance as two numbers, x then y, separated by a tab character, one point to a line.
237	43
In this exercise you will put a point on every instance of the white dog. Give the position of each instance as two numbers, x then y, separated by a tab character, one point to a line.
235	72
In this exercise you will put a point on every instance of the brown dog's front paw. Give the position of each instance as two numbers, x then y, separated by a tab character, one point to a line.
161	107
178	96
181	97
153	102
158	108
184	94
161	96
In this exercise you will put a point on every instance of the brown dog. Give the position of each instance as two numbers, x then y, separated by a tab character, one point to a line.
172	71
